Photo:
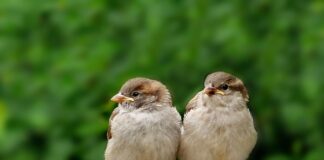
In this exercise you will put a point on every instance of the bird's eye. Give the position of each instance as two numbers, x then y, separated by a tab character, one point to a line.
135	93
223	87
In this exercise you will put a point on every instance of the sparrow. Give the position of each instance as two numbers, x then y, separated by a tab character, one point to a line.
145	125
218	124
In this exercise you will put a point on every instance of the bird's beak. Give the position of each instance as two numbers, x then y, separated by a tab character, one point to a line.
212	90
119	98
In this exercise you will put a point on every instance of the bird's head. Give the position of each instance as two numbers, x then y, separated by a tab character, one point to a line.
224	89
137	92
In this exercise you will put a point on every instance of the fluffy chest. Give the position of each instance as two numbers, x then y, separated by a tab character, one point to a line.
217	123
146	126
218	133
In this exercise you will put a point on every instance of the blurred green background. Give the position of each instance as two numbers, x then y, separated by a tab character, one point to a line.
61	61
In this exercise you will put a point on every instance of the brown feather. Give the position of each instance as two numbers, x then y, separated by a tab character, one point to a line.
148	86
218	78
238	85
112	116
192	104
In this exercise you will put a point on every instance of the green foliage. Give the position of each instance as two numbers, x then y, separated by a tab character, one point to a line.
61	61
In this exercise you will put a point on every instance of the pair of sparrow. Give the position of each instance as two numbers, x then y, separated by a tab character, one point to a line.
217	124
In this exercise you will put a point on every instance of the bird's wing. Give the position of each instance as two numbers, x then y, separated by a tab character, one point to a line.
112	116
192	104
